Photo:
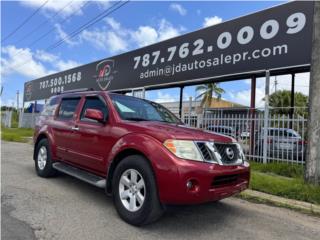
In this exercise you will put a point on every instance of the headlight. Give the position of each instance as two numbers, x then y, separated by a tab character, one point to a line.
183	149
242	156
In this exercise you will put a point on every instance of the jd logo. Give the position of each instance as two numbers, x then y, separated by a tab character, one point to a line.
28	90
105	73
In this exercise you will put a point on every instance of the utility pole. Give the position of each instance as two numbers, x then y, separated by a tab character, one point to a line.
275	83
17	100
266	117
312	174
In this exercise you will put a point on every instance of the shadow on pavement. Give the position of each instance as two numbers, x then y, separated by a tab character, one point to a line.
175	219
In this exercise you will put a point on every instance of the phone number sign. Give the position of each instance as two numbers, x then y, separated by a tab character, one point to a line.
269	39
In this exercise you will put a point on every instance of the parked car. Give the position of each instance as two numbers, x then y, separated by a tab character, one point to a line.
245	134
225	130
284	143
138	151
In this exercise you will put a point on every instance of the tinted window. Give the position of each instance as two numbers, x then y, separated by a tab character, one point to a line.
94	103
50	107
68	107
276	132
292	133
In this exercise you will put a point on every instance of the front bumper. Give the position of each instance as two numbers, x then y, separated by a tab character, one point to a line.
210	182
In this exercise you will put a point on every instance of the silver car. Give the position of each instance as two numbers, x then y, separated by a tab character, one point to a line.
282	143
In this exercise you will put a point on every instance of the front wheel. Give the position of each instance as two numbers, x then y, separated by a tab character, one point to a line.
135	193
43	161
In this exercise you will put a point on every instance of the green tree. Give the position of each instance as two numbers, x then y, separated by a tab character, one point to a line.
207	91
281	100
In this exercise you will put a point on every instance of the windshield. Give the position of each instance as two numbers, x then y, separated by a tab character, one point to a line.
135	109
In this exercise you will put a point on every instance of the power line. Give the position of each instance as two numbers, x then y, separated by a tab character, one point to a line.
61	22
24	22
81	28
43	23
88	24
52	29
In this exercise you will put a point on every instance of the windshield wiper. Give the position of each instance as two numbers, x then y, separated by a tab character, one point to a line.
137	119
144	119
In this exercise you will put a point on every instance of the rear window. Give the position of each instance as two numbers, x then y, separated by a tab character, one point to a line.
50	107
67	108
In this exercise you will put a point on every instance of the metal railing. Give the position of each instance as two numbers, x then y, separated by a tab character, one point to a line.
284	140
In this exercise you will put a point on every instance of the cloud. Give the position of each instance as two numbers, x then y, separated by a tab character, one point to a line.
247	81
62	65
45	56
113	23
210	21
109	41
164	97
15	62
114	40
302	81
119	38
56	6
178	8
30	64
63	7
145	35
243	97
166	30
62	35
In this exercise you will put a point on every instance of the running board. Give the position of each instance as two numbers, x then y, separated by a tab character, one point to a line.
80	174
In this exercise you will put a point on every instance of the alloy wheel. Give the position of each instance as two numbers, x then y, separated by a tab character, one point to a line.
132	190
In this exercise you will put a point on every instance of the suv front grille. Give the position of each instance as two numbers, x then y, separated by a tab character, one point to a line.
229	179
229	152
224	180
224	153
205	151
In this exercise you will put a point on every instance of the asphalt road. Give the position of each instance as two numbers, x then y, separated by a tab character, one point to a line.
66	208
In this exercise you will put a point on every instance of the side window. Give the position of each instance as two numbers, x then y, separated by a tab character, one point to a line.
94	103
50	107
67	108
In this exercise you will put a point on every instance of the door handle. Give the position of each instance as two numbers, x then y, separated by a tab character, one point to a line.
75	128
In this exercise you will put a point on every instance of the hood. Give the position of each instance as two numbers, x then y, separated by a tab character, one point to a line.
164	131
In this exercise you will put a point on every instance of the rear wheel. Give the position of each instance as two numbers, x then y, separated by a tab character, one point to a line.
135	193
43	161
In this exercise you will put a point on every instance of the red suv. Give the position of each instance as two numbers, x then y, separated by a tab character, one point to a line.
138	151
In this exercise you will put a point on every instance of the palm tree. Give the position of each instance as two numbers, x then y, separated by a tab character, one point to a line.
206	92
281	100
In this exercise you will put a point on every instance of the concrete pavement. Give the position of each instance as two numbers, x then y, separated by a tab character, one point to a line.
66	208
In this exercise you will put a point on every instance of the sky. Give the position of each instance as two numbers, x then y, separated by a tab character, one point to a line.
136	24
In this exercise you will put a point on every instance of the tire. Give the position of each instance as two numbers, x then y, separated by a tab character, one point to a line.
44	168
150	209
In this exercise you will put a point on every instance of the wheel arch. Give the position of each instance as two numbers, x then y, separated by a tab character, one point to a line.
117	159
39	138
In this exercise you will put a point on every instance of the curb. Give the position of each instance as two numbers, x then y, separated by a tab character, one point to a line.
261	197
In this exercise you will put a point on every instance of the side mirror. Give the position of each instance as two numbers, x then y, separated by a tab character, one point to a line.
94	114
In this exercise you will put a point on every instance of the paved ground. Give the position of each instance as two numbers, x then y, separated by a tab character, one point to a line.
65	208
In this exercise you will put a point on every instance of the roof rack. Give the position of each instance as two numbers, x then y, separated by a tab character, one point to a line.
77	90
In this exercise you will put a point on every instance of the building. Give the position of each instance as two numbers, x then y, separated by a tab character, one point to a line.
197	111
